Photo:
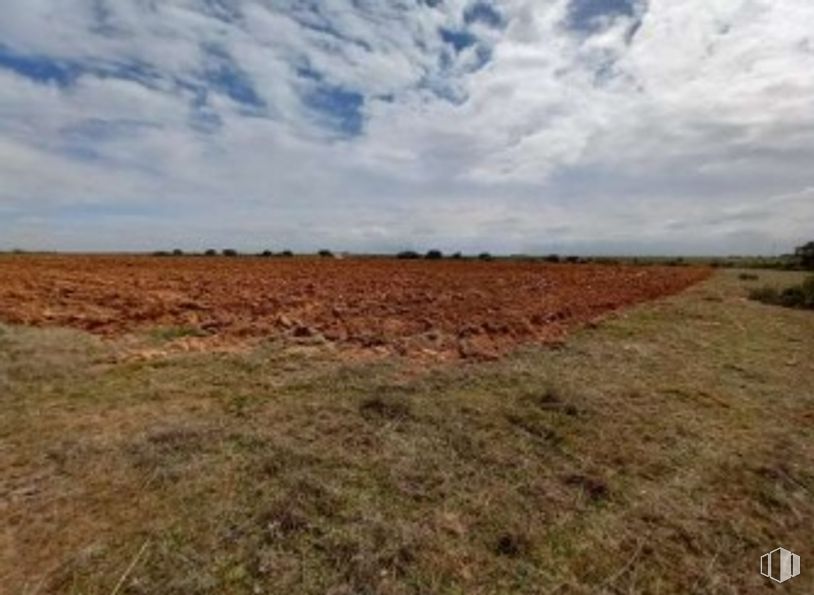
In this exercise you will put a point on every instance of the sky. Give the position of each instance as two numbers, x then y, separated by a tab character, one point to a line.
513	126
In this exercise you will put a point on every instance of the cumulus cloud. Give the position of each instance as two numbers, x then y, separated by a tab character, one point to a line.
513	125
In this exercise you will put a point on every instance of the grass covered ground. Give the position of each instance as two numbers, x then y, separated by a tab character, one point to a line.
662	451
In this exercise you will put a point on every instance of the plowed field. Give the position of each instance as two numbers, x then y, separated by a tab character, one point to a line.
471	309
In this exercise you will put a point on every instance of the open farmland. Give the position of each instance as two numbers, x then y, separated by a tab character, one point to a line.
478	309
662	450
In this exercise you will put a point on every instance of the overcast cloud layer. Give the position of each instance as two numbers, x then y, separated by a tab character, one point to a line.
612	126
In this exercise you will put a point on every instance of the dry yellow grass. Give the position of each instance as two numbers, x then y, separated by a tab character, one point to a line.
662	452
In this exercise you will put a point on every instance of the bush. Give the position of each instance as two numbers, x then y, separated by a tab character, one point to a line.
748	277
211	252
161	253
793	297
434	255
766	294
485	256
408	255
572	259
267	254
552	258
229	252
796	296
325	253
177	252
286	254
457	256
808	290
805	255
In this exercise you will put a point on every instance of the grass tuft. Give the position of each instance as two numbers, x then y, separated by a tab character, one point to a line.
386	407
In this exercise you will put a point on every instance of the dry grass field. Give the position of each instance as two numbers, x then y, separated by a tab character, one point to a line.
662	450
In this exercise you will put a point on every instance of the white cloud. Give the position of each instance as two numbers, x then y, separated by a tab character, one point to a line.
205	117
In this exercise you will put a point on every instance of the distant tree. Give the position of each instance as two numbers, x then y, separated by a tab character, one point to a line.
408	255
457	256
161	253
805	254
325	253
572	259
484	256
286	254
229	252
211	252
177	252
267	253
552	258
434	255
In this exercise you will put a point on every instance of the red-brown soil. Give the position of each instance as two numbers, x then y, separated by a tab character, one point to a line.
471	309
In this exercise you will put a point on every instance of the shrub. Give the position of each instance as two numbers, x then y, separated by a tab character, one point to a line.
286	254
572	259
434	255
177	252
161	253
229	252
325	253
766	294
408	255
267	253
485	256
792	297
211	252
552	258
748	277
457	256
796	296
805	254
808	290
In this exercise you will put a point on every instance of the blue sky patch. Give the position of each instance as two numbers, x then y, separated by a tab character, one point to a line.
338	106
38	68
586	15
224	75
460	40
139	72
482	12
484	55
309	73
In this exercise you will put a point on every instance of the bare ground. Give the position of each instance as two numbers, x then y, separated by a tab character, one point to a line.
439	309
